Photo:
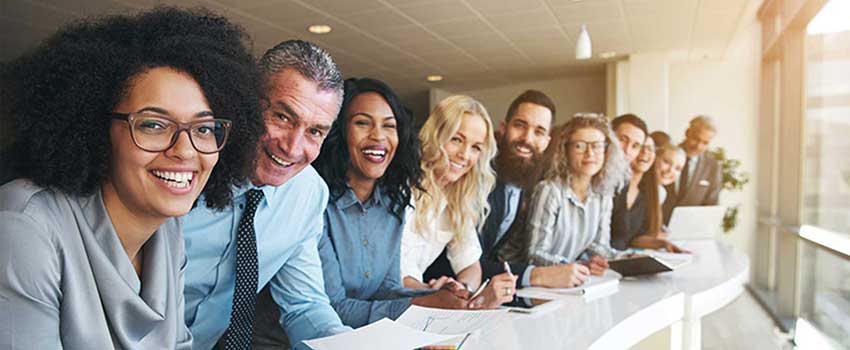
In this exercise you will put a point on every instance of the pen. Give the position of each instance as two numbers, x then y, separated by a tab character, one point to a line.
463	341
480	289
508	269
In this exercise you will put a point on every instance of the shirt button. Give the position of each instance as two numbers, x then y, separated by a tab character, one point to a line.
366	274
366	242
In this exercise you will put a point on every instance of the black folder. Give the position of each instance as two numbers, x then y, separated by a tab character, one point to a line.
636	266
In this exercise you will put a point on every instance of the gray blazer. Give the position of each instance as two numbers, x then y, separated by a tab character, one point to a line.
66	281
703	187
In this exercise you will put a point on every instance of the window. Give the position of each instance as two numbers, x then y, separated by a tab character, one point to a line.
826	172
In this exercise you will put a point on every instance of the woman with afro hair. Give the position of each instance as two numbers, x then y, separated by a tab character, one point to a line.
91	253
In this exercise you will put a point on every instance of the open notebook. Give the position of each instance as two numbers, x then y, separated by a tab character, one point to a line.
593	287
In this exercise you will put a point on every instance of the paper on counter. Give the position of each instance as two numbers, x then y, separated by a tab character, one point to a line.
384	334
593	287
673	260
444	321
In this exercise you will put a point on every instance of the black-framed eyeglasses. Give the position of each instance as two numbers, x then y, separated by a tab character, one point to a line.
156	133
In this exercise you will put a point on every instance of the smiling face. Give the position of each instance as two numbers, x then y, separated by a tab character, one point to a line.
644	160
159	184
372	136
526	135
464	149
298	118
587	162
631	139
669	167
697	140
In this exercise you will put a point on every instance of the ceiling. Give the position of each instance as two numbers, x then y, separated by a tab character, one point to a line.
472	43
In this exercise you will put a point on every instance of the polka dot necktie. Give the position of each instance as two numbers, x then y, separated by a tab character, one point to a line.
239	334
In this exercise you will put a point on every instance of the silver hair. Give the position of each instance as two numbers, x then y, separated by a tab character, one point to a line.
702	122
313	62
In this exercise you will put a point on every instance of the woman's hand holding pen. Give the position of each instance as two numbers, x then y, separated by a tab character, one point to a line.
500	290
559	276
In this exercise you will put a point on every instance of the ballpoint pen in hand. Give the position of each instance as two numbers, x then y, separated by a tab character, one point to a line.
508	269
480	289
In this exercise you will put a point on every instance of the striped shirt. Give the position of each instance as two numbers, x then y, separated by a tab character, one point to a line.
561	227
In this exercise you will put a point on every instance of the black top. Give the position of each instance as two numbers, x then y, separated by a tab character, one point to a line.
627	223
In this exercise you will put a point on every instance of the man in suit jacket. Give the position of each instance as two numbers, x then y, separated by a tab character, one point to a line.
701	178
522	137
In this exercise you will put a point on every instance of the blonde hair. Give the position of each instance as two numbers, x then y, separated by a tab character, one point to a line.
466	198
615	171
663	149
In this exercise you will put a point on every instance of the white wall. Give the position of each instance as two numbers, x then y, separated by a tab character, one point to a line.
580	93
667	90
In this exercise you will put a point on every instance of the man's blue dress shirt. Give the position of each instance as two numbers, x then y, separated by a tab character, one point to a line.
288	225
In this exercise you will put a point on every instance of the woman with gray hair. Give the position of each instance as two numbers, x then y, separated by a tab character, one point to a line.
569	214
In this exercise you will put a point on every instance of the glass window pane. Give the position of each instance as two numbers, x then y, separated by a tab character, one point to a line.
826	177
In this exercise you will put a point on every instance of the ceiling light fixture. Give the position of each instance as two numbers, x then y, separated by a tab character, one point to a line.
583	47
608	54
434	77
319	29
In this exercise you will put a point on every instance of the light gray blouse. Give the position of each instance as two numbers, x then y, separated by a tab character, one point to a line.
66	281
562	227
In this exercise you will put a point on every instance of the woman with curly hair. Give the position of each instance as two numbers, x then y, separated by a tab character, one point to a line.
91	251
457	147
570	210
370	161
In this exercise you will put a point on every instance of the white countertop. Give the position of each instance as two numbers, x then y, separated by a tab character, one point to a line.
641	307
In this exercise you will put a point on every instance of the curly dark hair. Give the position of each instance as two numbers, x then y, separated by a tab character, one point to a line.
403	172
60	94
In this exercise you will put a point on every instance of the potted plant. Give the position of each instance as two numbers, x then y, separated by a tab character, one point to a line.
733	180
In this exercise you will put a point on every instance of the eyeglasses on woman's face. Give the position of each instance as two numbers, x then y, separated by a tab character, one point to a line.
156	133
581	147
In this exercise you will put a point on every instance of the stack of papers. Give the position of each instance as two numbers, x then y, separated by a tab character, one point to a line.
384	334
443	321
416	327
592	288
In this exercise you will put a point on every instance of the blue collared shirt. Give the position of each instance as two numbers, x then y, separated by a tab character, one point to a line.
360	258
288	224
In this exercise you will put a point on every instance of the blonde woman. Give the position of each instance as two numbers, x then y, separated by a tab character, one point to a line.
668	168
457	147
570	210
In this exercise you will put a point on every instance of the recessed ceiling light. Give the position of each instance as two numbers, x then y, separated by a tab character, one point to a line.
608	54
319	29
434	77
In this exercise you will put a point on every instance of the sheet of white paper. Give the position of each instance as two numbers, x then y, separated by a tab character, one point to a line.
384	334
605	282
443	321
674	260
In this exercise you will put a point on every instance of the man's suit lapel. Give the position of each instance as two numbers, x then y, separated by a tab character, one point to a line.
490	231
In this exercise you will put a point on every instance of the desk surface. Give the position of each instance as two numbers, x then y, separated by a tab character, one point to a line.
641	307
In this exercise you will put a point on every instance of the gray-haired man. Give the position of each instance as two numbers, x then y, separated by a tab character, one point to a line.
271	233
